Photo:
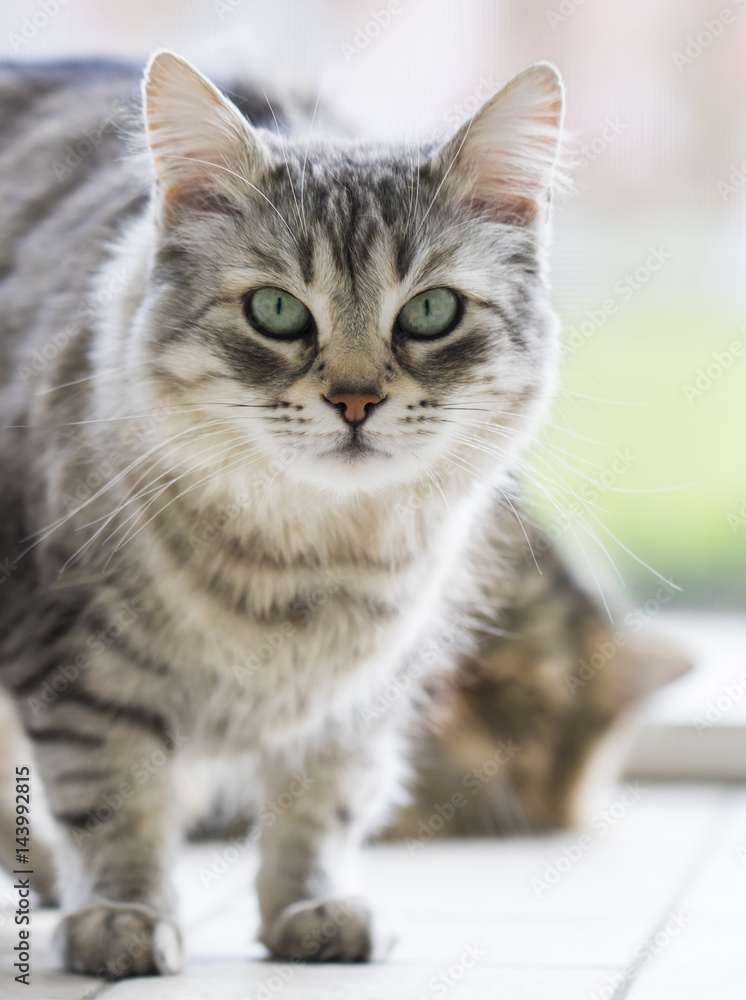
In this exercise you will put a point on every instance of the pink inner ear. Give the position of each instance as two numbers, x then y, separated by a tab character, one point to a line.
512	211
505	157
198	199
198	139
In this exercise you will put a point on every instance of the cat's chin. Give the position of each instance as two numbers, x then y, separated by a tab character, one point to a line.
348	471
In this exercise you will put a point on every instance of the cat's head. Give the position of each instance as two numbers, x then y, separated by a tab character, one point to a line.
367	313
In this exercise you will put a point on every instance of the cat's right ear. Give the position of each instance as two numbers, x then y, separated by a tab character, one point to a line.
204	151
503	160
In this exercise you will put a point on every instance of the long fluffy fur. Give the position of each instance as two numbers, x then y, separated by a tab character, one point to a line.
214	562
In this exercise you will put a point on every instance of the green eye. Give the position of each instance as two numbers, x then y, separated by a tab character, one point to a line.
276	313
430	314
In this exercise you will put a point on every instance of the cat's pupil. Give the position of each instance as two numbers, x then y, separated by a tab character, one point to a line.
430	314
278	305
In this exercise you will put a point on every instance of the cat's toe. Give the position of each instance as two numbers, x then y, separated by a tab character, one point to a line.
115	940
327	930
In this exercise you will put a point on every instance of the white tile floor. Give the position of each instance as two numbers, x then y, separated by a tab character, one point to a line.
653	907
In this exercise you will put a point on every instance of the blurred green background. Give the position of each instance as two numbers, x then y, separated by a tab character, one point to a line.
660	388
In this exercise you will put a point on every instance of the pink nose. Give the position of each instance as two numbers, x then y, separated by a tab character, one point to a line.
354	406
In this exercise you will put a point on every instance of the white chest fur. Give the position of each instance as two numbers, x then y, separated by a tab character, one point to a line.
320	631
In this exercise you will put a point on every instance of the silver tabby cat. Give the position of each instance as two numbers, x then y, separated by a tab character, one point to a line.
225	381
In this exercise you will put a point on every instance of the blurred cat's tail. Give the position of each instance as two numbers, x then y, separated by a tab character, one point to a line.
537	724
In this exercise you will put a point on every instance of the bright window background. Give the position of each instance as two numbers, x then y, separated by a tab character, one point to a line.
657	103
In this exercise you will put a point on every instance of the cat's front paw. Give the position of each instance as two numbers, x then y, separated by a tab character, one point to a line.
115	940
327	930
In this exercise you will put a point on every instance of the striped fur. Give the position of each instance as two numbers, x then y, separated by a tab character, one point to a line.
201	556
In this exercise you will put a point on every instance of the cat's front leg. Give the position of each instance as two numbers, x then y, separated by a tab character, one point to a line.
315	816
106	768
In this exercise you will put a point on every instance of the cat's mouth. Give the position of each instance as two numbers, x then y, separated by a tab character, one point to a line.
350	464
355	449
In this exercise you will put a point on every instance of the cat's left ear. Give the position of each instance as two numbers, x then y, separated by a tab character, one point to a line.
504	158
204	150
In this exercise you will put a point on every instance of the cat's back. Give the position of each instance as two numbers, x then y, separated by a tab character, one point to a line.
65	181
59	124
69	181
30	90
